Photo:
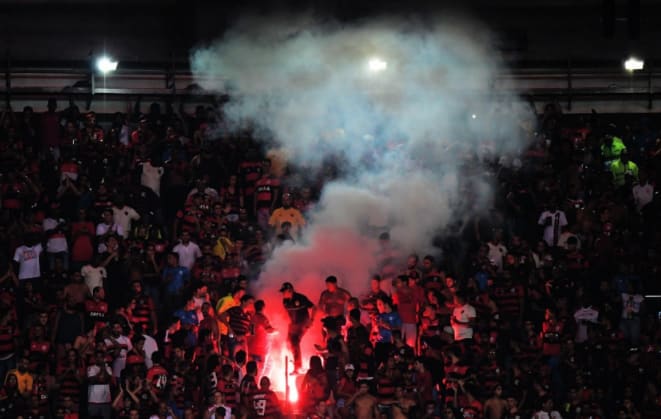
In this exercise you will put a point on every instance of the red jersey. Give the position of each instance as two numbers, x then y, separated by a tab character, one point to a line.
250	172
265	404
230	391
189	218
265	190
82	248
158	377
8	335
96	311
551	342
508	299
39	352
258	338
230	273
407	303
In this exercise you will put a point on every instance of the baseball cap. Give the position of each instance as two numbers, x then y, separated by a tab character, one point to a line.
331	279
287	286
349	367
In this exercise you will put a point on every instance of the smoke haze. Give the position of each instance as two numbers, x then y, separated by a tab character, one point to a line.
410	137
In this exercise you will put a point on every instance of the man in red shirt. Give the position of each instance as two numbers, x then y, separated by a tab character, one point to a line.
258	340
423	380
266	195
157	375
228	386
265	403
407	301
96	308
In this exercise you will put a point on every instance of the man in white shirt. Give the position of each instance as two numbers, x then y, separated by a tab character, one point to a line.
150	347
568	233
643	192
120	345
547	412
94	276
553	220
218	406
57	244
463	318
107	227
630	321
202	188
99	376
497	249
187	250
123	215
151	177
584	316
27	257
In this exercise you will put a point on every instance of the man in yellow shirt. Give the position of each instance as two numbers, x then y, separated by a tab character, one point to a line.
225	303
23	376
287	213
612	148
623	168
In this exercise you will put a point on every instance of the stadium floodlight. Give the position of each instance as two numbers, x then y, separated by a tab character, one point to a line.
376	65
106	65
474	116
633	64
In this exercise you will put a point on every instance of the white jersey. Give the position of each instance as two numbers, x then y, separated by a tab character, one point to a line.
27	258
553	230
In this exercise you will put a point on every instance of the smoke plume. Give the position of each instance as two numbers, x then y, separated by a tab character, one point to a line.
407	107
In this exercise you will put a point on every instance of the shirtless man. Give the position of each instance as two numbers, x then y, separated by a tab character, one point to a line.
402	405
495	407
76	291
365	405
320	411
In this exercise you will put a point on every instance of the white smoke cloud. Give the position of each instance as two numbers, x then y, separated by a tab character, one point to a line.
409	144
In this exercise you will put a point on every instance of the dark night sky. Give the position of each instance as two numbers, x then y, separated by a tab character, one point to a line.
159	31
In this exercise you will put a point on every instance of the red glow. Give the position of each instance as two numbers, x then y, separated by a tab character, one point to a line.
278	351
329	251
293	393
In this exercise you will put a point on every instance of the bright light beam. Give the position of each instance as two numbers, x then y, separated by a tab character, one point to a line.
105	65
633	64
376	65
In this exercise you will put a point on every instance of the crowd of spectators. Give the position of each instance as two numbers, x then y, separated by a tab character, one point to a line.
127	254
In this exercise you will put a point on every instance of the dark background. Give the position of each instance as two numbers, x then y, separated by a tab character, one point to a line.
144	33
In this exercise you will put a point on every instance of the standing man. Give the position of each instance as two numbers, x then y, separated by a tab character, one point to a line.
239	319
624	171
462	321
258	341
266	195
265	403
118	345
123	215
553	219
408	302
99	378
287	213
187	250
301	313
333	300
